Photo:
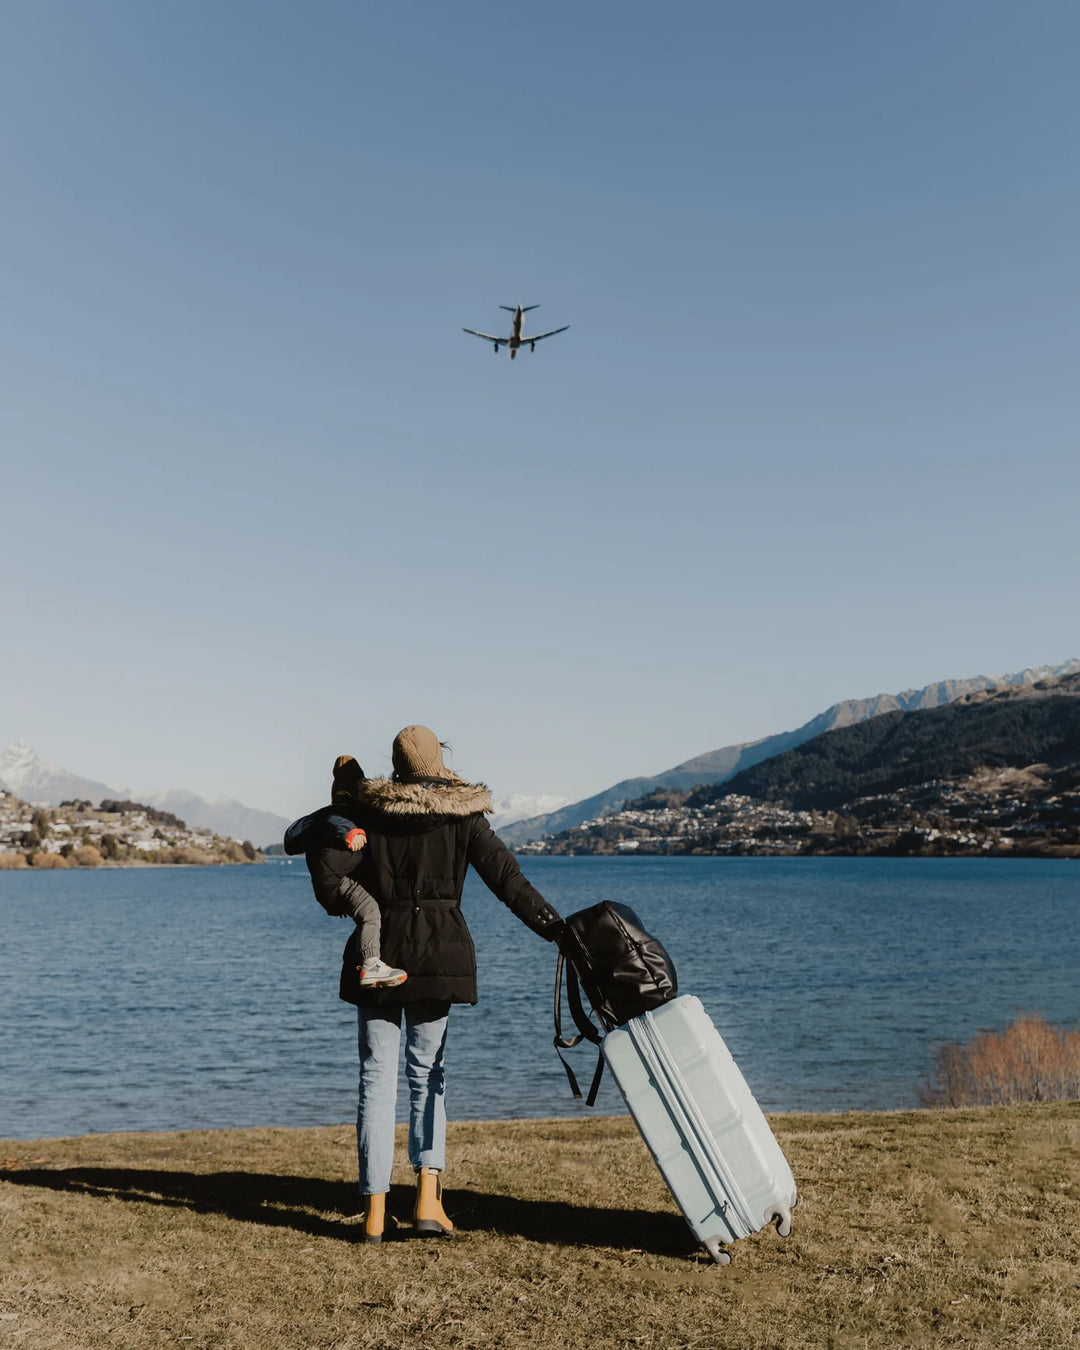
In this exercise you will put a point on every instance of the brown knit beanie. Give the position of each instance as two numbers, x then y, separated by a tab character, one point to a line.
418	754
347	774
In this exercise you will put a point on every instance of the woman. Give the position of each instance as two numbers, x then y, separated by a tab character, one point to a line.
424	828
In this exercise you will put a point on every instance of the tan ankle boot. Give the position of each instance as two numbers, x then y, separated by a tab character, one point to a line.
374	1217
429	1217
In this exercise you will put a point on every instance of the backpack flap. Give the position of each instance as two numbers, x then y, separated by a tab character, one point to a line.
623	968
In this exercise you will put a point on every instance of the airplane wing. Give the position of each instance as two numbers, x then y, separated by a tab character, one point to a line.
535	337
488	337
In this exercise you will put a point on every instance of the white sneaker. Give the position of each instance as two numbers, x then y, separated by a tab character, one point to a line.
376	974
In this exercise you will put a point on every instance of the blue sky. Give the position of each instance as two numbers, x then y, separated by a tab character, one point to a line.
813	433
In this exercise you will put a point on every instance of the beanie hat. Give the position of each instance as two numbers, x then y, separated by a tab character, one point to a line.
347	775
418	754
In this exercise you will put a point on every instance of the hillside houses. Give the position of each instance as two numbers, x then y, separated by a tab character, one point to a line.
997	812
733	825
78	834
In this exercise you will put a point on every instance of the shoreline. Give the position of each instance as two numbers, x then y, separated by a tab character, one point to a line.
134	864
1067	853
856	1115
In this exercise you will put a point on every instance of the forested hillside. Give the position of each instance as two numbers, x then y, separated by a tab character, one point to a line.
992	775
898	750
721	766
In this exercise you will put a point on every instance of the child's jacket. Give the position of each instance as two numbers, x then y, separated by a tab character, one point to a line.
320	837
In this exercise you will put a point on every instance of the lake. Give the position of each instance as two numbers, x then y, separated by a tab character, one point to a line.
207	997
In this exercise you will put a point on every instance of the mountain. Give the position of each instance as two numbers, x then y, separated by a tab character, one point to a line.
717	766
223	815
24	773
517	806
1012	728
990	775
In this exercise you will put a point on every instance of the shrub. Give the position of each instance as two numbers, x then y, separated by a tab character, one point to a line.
111	847
1030	1061
47	860
11	862
183	856
114	807
87	856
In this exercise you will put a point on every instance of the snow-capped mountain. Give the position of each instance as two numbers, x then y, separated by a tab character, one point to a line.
520	807
25	773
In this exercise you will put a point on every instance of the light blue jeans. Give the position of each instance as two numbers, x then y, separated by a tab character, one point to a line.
380	1043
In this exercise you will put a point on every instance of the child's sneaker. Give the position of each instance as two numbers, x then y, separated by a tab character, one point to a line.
376	974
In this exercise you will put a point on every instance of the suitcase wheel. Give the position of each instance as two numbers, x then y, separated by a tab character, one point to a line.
718	1254
782	1215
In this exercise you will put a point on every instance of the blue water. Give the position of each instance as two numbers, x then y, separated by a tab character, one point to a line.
207	997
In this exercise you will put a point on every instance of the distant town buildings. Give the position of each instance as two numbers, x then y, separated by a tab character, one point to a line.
78	834
1006	811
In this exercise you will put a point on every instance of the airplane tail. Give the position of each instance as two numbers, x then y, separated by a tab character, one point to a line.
514	308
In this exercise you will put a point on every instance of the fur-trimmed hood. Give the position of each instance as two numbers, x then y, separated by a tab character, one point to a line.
427	798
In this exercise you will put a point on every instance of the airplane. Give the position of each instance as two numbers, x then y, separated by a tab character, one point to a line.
517	338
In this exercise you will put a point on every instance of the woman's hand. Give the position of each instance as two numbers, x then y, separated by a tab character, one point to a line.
554	931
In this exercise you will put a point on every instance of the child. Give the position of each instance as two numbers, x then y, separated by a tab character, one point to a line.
330	842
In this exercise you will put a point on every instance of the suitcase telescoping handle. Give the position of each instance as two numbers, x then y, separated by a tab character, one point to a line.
587	1031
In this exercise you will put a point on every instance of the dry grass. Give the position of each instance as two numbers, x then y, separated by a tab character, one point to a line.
12	862
918	1228
1030	1061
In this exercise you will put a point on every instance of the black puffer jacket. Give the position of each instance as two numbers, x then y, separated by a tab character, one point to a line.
422	838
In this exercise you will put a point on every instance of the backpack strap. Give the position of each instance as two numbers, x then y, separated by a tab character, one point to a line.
587	1031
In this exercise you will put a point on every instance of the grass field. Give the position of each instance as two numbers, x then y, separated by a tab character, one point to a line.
914	1228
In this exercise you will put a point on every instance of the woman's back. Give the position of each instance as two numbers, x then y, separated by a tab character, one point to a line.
422	835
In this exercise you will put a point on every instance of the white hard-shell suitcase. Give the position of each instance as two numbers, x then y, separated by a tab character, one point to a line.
708	1135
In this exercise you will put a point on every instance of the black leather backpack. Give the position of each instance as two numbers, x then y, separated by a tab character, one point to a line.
623	969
